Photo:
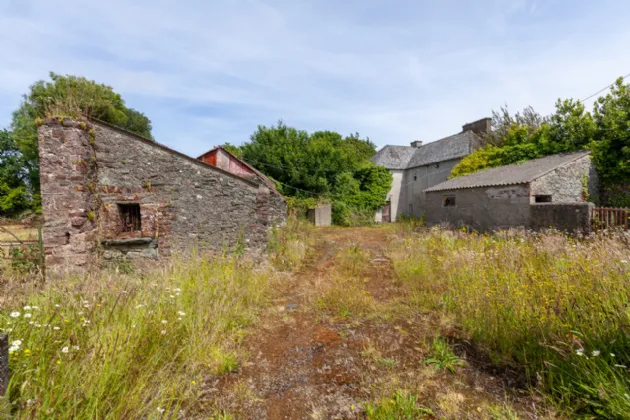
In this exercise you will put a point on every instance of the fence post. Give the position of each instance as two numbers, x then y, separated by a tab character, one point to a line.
4	364
42	257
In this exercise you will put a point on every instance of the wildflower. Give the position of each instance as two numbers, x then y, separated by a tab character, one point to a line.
163	332
161	410
172	296
58	362
56	328
595	353
65	350
76	348
164	321
177	289
624	261
35	307
579	352
27	308
179	319
612	354
57	306
180	313
27	315
14	314
16	343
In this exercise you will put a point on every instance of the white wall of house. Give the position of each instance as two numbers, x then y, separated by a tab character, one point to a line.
394	194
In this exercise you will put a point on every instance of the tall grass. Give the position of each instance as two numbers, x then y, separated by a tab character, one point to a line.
131	346
557	306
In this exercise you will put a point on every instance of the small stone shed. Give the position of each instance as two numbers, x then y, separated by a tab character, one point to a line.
531	194
108	194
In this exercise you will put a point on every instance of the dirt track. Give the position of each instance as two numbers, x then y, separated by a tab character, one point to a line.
307	361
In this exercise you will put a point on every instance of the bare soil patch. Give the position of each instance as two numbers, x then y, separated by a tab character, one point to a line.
307	360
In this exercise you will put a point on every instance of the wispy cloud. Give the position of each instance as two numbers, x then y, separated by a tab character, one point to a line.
209	72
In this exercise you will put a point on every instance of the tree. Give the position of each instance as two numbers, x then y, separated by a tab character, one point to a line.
323	165
71	96
15	195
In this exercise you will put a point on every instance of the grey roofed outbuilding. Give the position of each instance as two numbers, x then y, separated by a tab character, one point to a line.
448	148
522	173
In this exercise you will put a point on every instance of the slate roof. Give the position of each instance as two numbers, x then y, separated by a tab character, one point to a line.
452	147
394	157
405	157
522	173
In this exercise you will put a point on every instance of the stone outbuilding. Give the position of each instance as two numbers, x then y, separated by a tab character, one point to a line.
108	194
420	166
531	194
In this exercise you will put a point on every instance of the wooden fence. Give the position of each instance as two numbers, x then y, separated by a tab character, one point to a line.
611	217
18	250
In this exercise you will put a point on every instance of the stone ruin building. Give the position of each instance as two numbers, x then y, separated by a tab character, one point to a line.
109	195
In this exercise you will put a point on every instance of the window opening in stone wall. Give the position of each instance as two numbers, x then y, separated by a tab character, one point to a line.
543	198
130	220
449	201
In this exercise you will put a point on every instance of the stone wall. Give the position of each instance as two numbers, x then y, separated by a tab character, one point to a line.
482	208
575	182
568	217
91	172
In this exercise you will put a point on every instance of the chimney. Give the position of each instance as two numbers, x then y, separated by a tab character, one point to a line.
416	143
478	127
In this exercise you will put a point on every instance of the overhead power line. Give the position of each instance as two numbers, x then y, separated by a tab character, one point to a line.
603	89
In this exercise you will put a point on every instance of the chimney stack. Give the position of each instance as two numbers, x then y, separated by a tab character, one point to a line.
416	143
478	127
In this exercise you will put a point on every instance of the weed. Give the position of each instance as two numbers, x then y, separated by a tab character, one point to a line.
552	305
399	407
442	357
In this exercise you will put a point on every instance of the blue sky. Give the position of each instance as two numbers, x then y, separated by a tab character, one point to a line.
207	72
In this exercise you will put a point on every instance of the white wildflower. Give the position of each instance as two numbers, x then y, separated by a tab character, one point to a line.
179	319
595	353
56	328
27	308
17	343
624	261
76	348
35	307
161	410
579	352
65	350
177	289
164	321
181	313
163	332
57	306
30	322
172	296
14	314
612	354
27	315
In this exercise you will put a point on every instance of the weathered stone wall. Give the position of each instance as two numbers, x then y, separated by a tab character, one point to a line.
568	217
575	182
183	202
67	174
481	208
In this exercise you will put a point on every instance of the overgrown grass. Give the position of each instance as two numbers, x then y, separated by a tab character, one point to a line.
442	357
556	306
133	346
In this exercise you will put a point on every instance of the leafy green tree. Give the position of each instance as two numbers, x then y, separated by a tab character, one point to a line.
235	150
323	165
67	96
611	152
15	195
